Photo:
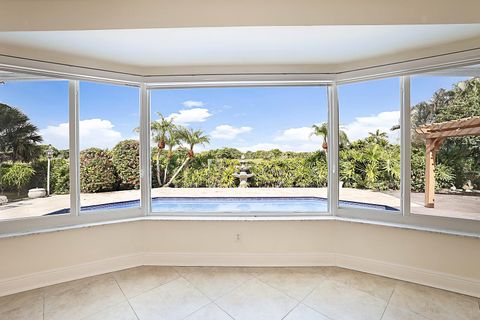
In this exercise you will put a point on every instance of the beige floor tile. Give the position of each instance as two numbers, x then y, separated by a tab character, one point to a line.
209	312
302	312
256	300
396	313
17	300
216	281
435	303
84	298
57	289
135	281
295	282
174	300
339	301
380	287
22	306
121	311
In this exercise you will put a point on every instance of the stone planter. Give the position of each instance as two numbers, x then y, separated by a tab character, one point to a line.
37	193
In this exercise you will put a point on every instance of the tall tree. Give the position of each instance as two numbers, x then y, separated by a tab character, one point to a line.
322	131
172	139
378	137
160	129
19	138
192	138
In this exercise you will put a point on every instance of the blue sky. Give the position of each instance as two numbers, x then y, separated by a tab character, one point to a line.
245	118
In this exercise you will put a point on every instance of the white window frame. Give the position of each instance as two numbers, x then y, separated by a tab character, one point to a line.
145	83
311	83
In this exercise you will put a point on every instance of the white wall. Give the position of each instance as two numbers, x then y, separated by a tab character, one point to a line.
440	260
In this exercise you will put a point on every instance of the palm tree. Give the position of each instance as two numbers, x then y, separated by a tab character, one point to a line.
322	131
172	139
192	138
160	129
18	136
378	137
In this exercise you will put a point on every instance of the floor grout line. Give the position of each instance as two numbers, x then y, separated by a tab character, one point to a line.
201	292
228	314
223	295
299	302
388	302
128	301
311	307
162	284
43	311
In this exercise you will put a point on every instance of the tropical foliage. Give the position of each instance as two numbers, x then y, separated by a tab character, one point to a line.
18	136
18	175
458	160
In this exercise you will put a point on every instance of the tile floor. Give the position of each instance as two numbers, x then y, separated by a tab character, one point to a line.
217	293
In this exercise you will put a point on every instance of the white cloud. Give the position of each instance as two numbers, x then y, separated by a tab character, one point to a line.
185	116
301	134
361	126
260	146
93	133
193	104
291	139
228	132
298	147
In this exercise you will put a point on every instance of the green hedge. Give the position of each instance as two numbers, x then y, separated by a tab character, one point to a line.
97	172
126	160
60	183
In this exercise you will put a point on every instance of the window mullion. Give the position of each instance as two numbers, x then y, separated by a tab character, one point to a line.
405	144
332	149
74	152
145	181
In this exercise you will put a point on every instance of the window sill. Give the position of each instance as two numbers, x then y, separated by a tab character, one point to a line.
291	218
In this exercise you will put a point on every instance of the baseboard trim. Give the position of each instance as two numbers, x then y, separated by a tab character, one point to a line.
239	259
450	282
397	271
75	272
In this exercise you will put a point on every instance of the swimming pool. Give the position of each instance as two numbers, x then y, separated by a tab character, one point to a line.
233	205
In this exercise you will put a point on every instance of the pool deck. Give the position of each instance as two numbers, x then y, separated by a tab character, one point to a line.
458	206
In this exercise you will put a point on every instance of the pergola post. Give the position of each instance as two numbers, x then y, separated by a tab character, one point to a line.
432	147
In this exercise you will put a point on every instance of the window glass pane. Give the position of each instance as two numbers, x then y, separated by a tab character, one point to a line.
445	118
369	154
34	155
109	147
239	150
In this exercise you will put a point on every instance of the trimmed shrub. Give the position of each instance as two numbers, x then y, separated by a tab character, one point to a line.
126	160
289	173
18	175
39	180
201	174
97	173
60	176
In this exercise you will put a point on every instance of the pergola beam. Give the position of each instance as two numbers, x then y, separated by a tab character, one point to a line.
434	135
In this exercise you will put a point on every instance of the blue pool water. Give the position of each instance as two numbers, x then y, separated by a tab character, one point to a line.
234	204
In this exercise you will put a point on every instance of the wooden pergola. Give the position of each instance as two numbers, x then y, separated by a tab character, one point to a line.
434	135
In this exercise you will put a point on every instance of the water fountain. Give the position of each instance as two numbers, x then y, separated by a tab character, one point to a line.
243	175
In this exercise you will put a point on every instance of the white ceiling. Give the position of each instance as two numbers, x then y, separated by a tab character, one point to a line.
241	45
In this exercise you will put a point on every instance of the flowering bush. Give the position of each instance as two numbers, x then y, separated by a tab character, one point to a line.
97	172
